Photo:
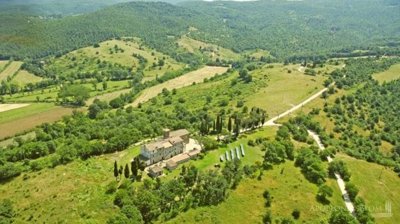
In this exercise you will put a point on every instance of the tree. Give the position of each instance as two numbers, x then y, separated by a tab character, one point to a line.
341	216
230	124
126	171
115	170
6	211
75	94
338	166
120	171
296	213
132	213
352	190
324	191
104	85
135	166
268	198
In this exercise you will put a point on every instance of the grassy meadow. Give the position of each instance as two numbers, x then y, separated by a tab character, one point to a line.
3	65
391	74
10	70
24	77
377	185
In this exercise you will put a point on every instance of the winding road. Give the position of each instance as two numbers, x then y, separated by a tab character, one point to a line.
340	181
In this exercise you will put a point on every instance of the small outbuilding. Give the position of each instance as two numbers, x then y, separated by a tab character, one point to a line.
155	171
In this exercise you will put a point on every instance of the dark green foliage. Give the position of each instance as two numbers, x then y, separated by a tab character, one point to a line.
324	192
6	211
115	169
267	218
74	94
341	216
311	165
296	213
338	166
268	198
361	212
352	190
126	171
276	152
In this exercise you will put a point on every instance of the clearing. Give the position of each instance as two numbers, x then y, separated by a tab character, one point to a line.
197	76
7	107
210	50
391	74
378	185
10	70
286	87
23	77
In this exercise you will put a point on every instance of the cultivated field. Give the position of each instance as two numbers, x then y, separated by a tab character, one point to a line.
377	185
7	107
210	50
3	64
20	120
10	70
391	74
24	77
197	76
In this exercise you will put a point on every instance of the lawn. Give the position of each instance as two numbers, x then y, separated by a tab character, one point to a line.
24	77
377	185
10	70
391	74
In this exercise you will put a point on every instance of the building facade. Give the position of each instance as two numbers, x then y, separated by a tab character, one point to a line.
172	144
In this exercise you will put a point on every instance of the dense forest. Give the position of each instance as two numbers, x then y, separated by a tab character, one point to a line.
287	29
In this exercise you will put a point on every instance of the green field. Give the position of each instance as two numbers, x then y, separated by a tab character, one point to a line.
24	112
391	74
290	190
3	65
284	89
24	77
10	70
50	94
377	185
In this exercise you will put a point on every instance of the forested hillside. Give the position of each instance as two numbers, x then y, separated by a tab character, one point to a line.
287	29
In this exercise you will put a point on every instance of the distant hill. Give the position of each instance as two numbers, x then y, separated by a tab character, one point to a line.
287	29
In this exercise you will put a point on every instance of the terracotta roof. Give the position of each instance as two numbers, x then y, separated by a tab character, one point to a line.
179	158
155	169
178	133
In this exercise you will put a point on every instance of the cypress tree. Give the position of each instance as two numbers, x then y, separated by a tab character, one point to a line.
126	171
230	124
115	169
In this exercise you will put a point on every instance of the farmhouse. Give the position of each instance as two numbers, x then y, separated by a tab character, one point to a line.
173	143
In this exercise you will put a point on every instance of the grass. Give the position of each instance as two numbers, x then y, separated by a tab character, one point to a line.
24	119
85	59
391	74
3	65
210	50
50	94
10	70
377	186
197	76
289	189
24	77
285	89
